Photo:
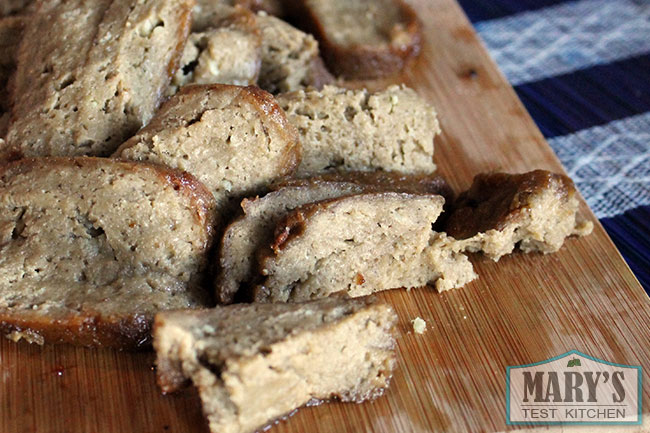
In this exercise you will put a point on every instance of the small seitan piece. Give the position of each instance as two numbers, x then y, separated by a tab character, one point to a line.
236	140
536	210
225	47
253	230
92	248
359	244
90	74
290	58
255	363
340	129
360	39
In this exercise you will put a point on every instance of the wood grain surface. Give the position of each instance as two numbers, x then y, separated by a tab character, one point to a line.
524	309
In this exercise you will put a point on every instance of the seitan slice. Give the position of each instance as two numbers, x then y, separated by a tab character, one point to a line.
359	244
253	230
90	74
341	129
535	210
360	39
290	58
255	363
236	140
92	248
225	46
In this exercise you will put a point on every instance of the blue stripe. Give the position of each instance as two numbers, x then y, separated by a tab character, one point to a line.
594	96
482	10
631	234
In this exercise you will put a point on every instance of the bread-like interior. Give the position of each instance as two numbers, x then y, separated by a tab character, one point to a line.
391	130
225	47
253	363
253	231
235	140
358	244
536	211
91	249
91	73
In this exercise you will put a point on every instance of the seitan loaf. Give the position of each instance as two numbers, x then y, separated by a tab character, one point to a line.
360	39
236	140
253	230
341	129
90	74
255	363
92	248
359	244
537	210
290	58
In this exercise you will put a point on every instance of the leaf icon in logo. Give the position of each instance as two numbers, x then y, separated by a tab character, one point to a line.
574	363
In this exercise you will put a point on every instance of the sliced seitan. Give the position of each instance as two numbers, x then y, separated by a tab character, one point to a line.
255	363
537	210
359	244
360	39
236	140
253	230
225	46
290	58
92	248
342	129
90	74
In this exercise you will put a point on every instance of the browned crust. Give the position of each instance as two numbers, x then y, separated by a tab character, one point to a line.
87	328
295	223
259	99
182	182
497	199
170	377
11	33
362	61
267	104
379	181
185	19
82	329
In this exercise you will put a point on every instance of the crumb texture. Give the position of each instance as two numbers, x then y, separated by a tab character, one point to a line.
254	230
290	57
341	129
235	140
90	74
90	243
255	363
225	46
358	244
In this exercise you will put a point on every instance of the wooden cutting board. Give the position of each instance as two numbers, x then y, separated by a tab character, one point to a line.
524	309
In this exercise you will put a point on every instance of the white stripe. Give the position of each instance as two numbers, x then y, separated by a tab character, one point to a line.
574	35
610	164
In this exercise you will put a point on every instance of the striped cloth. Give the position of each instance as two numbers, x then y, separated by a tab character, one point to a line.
582	69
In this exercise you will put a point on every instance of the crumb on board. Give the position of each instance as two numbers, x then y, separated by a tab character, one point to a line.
419	325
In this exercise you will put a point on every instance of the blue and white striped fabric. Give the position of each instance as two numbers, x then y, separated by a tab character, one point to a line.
582	69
